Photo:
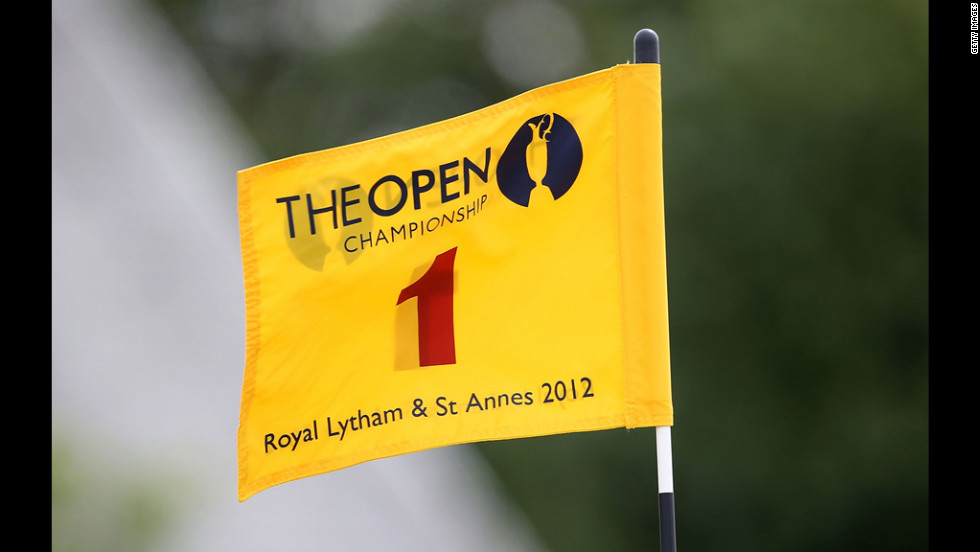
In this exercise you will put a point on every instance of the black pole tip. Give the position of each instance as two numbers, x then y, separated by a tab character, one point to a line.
646	47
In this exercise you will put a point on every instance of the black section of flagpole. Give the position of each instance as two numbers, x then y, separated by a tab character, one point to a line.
668	536
646	47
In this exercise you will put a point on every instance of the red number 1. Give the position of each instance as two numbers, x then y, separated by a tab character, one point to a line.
437	344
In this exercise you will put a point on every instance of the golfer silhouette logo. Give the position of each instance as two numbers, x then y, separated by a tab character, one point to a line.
541	162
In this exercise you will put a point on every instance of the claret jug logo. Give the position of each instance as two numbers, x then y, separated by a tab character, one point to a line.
541	161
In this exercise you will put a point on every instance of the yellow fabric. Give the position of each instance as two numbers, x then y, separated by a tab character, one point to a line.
498	275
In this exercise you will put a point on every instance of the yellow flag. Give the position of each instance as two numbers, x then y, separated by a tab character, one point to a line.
497	275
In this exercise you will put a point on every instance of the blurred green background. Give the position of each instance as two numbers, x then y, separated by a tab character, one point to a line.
796	174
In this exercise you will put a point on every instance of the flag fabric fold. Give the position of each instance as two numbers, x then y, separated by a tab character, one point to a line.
497	275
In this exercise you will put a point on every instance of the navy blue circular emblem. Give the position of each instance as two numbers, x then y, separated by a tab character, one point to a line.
543	157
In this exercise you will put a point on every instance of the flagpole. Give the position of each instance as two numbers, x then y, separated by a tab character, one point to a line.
646	49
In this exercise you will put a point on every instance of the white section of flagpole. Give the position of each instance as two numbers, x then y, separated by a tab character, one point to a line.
665	466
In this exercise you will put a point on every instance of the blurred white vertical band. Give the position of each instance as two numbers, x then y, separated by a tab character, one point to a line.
148	323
